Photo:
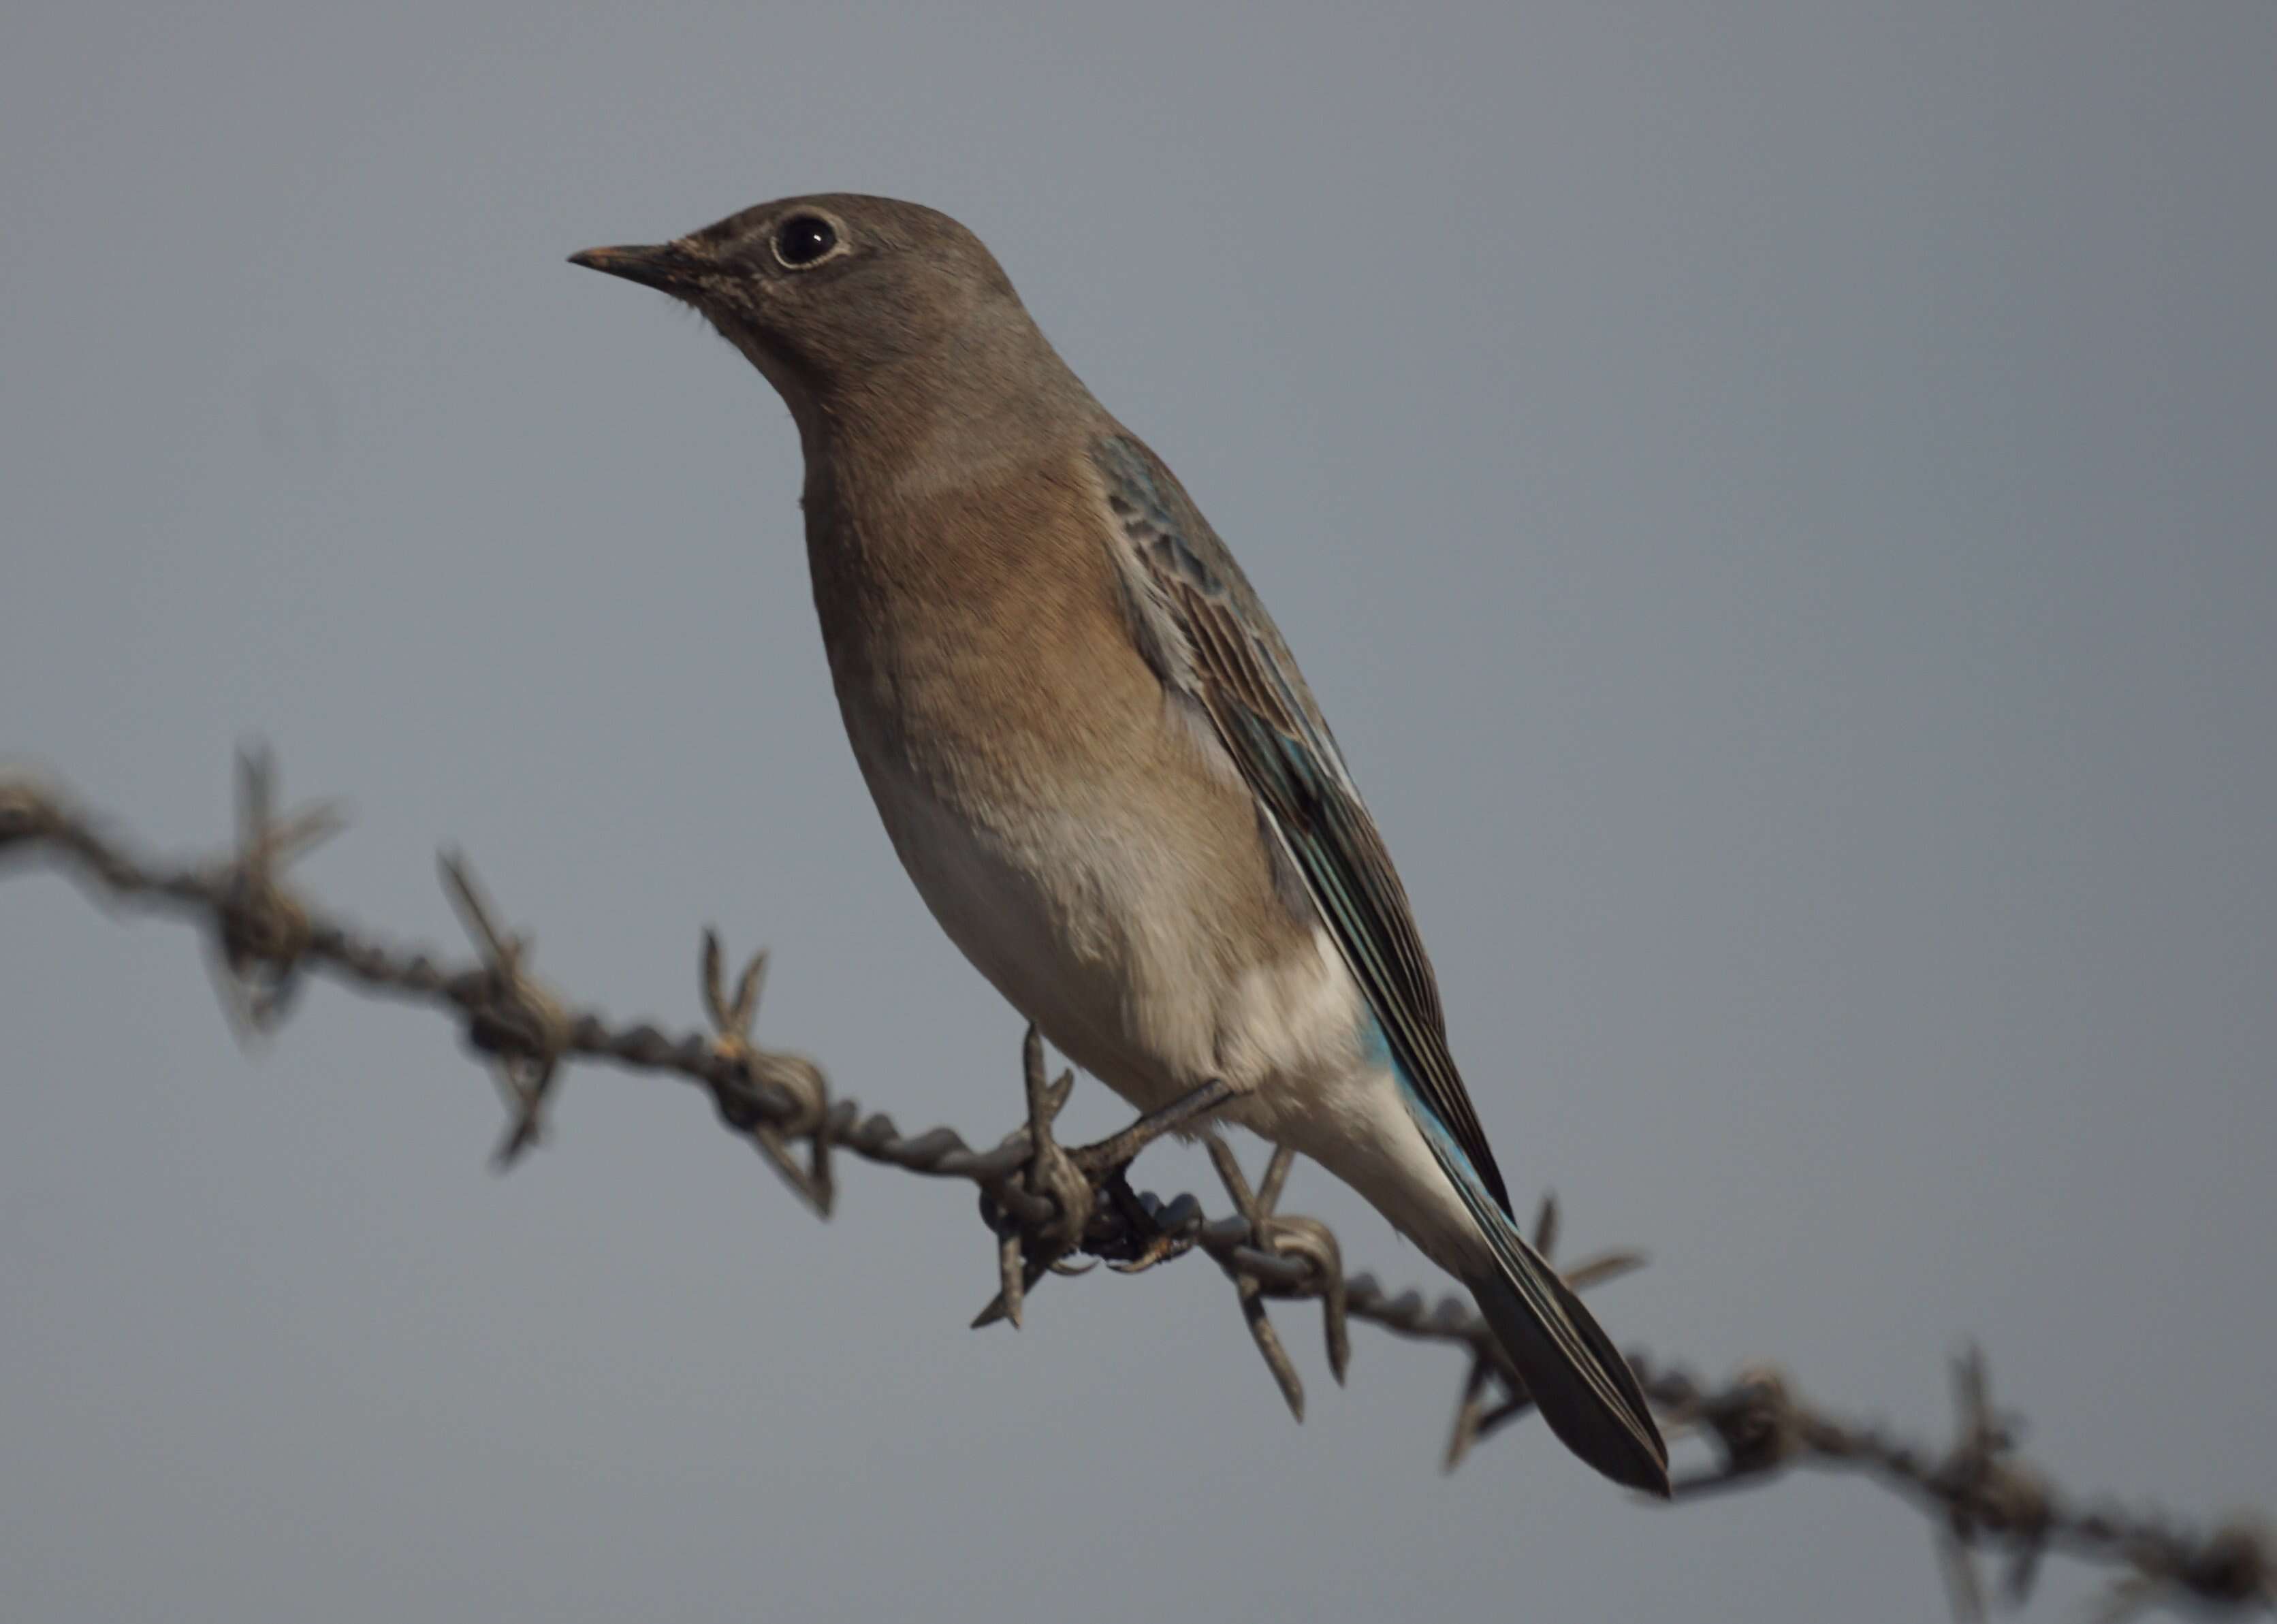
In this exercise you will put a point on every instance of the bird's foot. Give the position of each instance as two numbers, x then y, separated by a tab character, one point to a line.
1133	1232
1151	1232
1058	1201
1117	1151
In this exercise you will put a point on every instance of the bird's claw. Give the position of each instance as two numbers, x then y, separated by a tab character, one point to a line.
1146	1238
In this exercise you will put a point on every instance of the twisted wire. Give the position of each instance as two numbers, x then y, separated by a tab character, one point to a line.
1043	1204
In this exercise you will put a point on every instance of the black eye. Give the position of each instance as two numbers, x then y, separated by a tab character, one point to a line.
803	239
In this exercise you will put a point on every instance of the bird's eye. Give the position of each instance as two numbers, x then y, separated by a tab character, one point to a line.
803	239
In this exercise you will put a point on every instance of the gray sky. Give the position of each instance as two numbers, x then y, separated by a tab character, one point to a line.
1778	500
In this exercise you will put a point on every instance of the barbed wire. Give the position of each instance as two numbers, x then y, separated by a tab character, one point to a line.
1044	1203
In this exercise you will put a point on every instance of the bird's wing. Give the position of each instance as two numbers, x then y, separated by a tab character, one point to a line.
1202	629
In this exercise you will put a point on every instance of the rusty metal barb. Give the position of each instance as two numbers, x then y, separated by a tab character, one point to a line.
519	1023
794	1076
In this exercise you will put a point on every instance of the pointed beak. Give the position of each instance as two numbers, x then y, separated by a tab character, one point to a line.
666	266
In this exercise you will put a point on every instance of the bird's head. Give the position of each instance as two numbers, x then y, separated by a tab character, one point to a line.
831	292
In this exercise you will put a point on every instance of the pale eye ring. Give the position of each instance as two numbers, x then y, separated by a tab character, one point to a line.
804	241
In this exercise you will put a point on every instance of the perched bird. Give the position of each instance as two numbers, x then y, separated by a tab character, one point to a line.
1096	757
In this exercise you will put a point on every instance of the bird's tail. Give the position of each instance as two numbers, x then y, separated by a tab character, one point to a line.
1578	1379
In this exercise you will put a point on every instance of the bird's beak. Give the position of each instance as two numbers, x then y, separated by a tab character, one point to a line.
664	265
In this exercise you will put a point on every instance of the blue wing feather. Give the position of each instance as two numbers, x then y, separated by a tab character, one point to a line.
1210	639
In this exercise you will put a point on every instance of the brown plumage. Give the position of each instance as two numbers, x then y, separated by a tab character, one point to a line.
1095	756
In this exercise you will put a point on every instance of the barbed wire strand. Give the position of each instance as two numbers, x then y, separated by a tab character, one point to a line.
1044	1203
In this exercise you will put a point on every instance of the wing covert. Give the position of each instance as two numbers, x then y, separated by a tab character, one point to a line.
1209	638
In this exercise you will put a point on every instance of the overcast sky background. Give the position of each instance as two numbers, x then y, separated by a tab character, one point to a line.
1778	500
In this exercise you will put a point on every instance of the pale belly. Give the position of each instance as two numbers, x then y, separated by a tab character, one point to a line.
1094	926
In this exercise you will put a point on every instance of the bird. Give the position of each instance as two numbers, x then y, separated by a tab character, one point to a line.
1095	757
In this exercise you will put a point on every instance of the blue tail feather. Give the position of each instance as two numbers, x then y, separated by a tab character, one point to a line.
1576	1377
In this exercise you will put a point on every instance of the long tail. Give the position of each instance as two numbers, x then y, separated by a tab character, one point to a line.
1577	1379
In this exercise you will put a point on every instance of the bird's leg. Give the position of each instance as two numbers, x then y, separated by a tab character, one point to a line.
1147	1241
1117	1151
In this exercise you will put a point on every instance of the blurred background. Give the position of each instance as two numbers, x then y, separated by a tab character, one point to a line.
1776	498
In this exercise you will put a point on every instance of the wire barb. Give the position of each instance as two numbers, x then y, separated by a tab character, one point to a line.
260	928
1308	1242
1986	1490
800	1079
510	1017
30	811
1029	1240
